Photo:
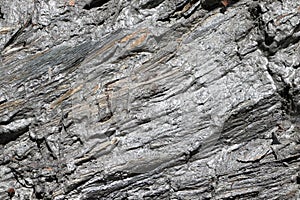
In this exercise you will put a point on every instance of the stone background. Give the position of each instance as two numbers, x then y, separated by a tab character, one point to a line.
149	99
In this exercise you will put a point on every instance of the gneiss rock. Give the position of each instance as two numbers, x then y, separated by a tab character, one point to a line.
149	99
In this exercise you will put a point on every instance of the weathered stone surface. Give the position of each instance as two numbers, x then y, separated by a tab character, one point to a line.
149	99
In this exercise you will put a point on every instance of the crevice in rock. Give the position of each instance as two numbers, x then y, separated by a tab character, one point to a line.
255	11
18	33
11	135
95	4
20	178
192	152
1	14
211	4
151	4
288	103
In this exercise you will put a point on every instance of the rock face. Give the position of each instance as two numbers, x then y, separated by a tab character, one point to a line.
149	99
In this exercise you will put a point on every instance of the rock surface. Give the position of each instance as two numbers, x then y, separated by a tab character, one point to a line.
149	99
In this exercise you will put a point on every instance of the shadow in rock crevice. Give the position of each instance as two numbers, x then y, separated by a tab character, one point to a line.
95	4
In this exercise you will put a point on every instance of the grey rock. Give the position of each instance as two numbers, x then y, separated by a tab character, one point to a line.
143	99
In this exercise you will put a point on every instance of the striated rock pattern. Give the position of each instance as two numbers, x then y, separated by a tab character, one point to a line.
149	99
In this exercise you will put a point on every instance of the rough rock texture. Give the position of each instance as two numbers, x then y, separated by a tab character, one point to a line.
149	99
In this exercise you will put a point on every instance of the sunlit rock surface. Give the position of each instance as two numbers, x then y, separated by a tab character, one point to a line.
149	99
